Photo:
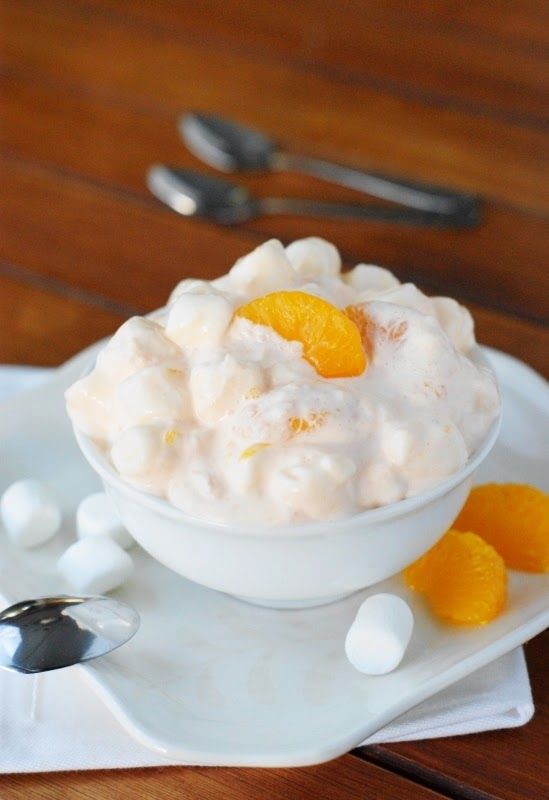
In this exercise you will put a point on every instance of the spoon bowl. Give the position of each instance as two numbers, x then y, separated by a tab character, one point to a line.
54	632
194	194
230	147
226	145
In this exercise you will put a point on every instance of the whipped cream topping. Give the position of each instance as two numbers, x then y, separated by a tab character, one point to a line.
230	423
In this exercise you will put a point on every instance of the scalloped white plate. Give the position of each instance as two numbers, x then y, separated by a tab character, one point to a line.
211	680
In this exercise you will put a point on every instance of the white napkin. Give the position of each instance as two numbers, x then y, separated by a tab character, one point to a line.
47	734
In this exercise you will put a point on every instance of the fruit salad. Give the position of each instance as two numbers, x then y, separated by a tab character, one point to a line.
287	391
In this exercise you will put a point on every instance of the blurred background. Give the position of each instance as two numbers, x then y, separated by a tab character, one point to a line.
90	92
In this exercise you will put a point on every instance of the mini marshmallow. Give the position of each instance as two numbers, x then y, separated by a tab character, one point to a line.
30	513
412	449
95	565
312	482
265	269
379	484
377	640
142	451
89	405
198	319
408	296
218	388
138	343
96	516
456	321
371	278
154	394
314	257
190	286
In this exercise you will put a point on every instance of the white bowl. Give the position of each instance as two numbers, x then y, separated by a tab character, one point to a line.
290	566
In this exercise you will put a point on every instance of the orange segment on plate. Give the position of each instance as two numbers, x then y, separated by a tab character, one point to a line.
331	341
513	518
462	577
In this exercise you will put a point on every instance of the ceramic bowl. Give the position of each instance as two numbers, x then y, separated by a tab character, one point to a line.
292	566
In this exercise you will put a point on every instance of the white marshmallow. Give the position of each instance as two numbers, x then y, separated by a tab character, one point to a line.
377	640
97	516
456	321
379	484
409	450
291	371
154	394
190	286
142	451
409	296
30	513
89	405
199	319
370	278
217	389
312	482
333	290
314	257
138	343
95	565
266	269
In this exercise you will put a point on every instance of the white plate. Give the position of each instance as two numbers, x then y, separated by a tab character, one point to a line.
211	680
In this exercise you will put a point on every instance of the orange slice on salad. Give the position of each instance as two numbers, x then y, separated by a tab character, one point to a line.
331	341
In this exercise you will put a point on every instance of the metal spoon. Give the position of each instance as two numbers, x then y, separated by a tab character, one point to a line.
231	147
54	632
194	194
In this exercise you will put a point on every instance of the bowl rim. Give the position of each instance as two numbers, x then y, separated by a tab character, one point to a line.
97	459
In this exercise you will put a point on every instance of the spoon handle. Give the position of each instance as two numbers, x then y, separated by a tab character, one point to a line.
36	692
466	218
414	194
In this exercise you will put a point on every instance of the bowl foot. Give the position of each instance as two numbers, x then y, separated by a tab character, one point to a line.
292	604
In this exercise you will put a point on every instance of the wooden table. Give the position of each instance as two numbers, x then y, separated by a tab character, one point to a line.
445	92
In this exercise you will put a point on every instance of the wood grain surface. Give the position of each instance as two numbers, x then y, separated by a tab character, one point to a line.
350	778
451	93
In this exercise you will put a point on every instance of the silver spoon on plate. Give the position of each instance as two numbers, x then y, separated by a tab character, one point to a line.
55	632
194	194
231	147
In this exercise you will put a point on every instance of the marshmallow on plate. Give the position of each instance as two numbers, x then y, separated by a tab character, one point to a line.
30	513
95	565
96	516
378	638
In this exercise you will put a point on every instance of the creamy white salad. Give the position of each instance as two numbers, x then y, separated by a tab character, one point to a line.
229	422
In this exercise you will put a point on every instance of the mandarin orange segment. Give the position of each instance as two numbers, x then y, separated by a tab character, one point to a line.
302	425
331	341
513	518
253	450
364	325
369	330
462	577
